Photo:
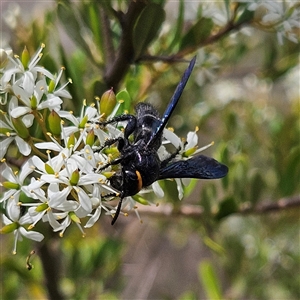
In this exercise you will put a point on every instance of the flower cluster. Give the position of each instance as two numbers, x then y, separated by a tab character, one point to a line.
60	180
283	17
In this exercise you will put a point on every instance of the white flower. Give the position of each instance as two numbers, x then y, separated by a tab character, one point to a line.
33	101
52	90
25	77
8	133
17	180
87	113
55	200
13	217
283	17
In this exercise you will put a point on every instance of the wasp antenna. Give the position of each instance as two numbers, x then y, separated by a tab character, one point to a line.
117	212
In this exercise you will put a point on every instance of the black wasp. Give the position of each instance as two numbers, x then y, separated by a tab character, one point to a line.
140	164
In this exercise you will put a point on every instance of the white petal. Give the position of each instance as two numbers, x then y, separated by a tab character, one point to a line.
67	115
179	188
24	95
38	163
93	219
56	199
91	179
27	168
192	140
28	82
13	210
28	120
23	146
7	195
52	221
53	103
44	71
4	145
8	174
84	200
172	137
20	111
68	206
159	192
48	146
33	235
13	103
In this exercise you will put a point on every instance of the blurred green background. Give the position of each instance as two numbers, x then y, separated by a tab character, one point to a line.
243	241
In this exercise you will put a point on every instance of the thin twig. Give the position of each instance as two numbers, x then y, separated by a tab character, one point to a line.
196	212
124	57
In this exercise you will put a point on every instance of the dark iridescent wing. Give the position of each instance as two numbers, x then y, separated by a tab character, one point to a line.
173	102
201	167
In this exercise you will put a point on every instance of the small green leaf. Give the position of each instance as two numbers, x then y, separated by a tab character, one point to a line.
226	208
197	34
289	179
213	245
227	7
257	186
245	17
146	27
178	27
95	25
65	12
123	96
209	280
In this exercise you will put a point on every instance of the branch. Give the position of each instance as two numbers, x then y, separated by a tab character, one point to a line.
50	256
281	204
117	70
108	48
178	57
196	212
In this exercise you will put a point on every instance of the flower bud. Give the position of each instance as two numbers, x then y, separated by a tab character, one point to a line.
71	141
33	102
90	138
108	102
51	86
189	152
54	123
10	185
3	58
41	207
83	121
74	177
25	57
49	169
74	217
5	131
9	228
20	128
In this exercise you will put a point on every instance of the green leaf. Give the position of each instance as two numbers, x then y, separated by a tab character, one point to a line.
72	26
146	27
179	26
209	280
214	245
245	17
95	25
227	7
124	97
226	208
289	179
197	34
257	186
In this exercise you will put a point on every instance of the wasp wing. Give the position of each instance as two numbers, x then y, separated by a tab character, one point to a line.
173	102
201	167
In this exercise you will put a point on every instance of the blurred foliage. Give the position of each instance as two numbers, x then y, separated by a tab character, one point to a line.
244	95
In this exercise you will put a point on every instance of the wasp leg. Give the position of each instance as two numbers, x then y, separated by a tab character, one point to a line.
117	212
170	158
